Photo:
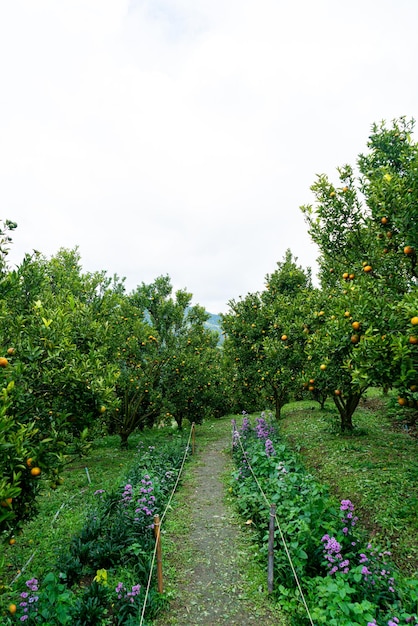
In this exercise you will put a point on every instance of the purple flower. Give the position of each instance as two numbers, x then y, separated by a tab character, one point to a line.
262	429
270	451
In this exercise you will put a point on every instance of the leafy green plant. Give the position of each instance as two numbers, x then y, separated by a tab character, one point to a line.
347	578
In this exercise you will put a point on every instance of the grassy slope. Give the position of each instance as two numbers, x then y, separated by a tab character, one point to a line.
62	512
376	468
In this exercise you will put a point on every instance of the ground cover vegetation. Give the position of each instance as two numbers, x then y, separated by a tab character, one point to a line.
101	575
80	358
346	578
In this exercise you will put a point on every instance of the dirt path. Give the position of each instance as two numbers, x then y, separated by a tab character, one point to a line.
210	554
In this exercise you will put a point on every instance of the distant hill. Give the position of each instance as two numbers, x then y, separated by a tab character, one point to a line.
214	323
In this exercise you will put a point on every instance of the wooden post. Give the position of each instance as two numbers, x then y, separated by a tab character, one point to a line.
159	553
193	437
270	574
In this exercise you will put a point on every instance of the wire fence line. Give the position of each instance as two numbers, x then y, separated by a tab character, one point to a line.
158	534
237	437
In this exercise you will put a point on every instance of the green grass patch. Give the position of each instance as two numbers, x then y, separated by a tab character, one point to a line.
376	467
64	511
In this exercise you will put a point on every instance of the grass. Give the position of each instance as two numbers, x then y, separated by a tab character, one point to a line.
63	511
376	467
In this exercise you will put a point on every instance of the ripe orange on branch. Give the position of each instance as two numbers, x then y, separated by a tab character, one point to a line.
35	471
3	361
356	325
408	250
414	320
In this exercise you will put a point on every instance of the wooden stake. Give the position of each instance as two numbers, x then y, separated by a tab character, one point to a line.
159	553
270	574
193	437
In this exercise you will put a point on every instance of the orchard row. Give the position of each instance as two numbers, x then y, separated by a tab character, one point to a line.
79	356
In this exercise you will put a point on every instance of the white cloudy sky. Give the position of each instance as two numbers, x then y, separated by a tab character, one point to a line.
181	137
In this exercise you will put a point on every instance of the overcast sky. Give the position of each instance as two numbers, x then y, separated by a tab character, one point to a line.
181	137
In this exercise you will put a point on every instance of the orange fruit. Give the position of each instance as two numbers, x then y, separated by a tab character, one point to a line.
402	401
352	276
6	502
3	361
337	392
347	314
323	367
414	321
12	541
29	462
346	275
311	388
356	325
312	381
35	471
384	220
12	608
284	337
355	339
10	350
409	250
413	340
367	268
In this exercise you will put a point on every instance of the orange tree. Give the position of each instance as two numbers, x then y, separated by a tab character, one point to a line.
53	376
56	335
191	378
390	186
185	363
134	347
366	236
265	337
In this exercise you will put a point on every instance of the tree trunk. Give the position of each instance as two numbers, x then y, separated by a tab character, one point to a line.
279	402
124	436
346	407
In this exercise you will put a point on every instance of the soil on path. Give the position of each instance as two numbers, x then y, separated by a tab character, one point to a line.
210	557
